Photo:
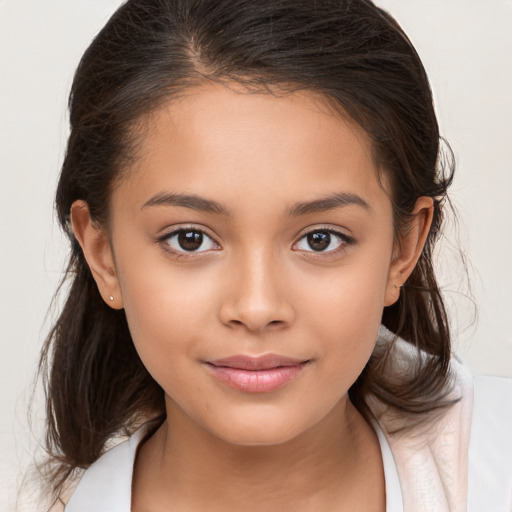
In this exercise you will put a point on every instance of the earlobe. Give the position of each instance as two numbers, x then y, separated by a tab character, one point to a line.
98	253
409	248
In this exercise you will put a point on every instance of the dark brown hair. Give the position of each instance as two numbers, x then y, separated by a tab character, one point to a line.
351	52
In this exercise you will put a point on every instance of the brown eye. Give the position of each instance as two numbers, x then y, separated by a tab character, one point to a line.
323	240
319	240
189	240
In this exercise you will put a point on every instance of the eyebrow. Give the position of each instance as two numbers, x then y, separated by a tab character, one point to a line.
195	202
328	203
187	201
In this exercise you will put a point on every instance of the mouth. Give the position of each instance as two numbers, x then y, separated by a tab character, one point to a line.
262	374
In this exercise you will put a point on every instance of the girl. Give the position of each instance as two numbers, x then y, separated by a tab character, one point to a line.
253	191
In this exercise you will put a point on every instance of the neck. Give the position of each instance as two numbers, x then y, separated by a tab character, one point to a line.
183	463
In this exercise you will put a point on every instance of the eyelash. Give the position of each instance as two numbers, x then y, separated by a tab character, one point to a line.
164	241
344	240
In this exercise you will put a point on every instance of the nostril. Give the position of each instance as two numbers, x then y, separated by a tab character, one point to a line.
274	324
256	315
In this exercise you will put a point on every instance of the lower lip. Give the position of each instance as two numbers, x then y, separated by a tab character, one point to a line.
256	381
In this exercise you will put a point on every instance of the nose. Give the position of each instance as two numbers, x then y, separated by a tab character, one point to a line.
255	296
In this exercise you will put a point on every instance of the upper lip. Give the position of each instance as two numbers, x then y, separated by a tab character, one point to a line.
264	362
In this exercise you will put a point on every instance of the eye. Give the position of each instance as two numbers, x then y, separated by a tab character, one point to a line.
189	240
322	240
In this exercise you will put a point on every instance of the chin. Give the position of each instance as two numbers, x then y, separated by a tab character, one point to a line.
261	428
259	437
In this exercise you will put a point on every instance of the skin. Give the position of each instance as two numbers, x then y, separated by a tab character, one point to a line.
255	287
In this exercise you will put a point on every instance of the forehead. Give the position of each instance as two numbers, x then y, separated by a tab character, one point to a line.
229	142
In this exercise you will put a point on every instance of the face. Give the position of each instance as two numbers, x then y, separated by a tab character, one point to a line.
253	249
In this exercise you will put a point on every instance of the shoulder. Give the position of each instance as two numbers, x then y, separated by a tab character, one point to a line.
456	458
106	485
490	449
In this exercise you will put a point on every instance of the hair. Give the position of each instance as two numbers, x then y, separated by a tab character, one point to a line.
150	51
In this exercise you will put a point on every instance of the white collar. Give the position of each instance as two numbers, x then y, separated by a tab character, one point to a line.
430	460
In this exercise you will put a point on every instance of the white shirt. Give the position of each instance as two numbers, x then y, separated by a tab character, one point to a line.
462	462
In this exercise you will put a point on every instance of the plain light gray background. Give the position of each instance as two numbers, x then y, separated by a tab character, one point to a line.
466	47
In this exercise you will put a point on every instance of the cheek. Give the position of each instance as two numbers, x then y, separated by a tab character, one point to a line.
352	294
345	310
166	309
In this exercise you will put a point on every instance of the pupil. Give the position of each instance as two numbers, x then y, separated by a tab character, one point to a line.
319	241
190	240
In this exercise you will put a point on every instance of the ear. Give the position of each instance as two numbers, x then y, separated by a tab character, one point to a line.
409	248
98	253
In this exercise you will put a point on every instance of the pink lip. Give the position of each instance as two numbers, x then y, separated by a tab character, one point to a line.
256	374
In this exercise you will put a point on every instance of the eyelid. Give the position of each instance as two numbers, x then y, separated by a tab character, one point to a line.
337	232
174	230
346	239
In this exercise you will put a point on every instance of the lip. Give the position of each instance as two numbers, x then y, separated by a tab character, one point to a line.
262	374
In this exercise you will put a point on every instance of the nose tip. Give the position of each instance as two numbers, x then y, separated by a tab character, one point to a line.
255	301
257	318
